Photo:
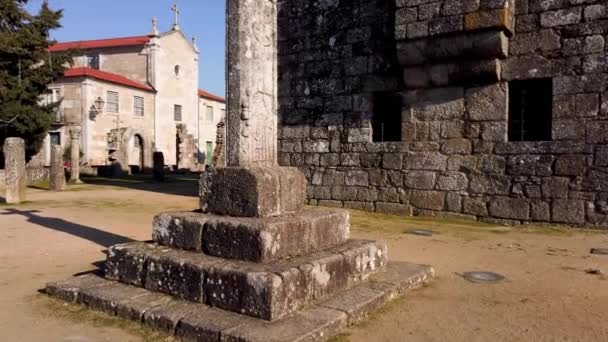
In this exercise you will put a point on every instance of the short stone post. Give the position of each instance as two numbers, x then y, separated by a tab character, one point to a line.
57	177
159	166
15	173
75	155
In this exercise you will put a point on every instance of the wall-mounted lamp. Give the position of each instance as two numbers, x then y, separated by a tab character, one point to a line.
99	103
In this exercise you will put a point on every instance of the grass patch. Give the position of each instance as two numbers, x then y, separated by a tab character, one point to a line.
79	314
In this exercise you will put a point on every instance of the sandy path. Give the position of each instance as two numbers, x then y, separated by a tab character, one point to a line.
548	295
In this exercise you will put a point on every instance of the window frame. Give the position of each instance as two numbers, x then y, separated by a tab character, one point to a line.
96	58
209	110
178	114
110	104
137	99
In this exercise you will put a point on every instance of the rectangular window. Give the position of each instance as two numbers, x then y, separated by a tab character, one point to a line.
209	114
209	153
112	102
139	106
386	121
177	112
92	61
55	138
530	109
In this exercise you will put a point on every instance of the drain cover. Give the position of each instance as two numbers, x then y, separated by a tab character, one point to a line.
421	232
600	251
483	277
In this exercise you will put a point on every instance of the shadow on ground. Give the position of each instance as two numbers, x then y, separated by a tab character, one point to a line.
92	234
179	185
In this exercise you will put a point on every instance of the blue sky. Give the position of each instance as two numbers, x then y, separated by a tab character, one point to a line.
93	19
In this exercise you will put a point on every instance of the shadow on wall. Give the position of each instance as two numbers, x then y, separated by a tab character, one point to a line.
98	236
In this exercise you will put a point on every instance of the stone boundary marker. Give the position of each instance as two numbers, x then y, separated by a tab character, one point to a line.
14	170
200	322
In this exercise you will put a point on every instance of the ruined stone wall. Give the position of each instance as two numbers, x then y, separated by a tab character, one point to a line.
450	62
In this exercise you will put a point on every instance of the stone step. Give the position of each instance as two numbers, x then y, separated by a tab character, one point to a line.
267	291
253	239
199	322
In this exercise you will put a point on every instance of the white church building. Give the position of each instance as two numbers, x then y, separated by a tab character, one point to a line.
132	96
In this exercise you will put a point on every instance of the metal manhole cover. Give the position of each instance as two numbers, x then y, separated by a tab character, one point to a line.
483	277
599	251
421	232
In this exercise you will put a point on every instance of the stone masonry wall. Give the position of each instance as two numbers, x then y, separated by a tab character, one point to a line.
450	62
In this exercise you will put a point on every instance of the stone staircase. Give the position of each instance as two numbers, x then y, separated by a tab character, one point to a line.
269	272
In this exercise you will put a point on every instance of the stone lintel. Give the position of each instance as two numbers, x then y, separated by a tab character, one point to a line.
263	291
195	321
253	192
253	239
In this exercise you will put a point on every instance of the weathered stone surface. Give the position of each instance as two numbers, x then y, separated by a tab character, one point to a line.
199	322
432	200
69	289
127	263
314	324
253	192
251	107
251	239
57	176
569	211
510	208
266	291
15	176
488	103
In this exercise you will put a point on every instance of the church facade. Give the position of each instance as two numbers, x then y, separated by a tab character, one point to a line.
132	96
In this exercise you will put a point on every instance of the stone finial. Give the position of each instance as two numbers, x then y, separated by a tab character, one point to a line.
194	44
176	13
154	32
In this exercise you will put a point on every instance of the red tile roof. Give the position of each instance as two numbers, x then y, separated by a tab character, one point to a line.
209	96
106	76
100	43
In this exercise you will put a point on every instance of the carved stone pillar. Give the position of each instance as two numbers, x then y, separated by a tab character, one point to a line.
75	134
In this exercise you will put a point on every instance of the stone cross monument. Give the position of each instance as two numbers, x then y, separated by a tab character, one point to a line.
253	264
15	172
75	155
251	118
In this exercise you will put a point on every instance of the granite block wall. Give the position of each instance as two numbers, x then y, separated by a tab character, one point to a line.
451	63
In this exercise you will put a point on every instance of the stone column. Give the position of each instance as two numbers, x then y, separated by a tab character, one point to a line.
251	119
14	168
159	166
57	177
75	154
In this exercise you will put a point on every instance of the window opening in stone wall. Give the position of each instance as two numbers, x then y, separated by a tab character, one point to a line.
55	138
139	105
530	109
92	61
177	113
386	121
112	102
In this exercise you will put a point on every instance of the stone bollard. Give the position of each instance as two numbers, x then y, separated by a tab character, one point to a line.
57	177
159	166
75	155
15	173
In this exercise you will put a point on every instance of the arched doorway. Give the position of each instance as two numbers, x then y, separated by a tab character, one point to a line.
136	155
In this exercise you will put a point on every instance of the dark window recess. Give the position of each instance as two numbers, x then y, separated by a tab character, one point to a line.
530	110
386	122
55	138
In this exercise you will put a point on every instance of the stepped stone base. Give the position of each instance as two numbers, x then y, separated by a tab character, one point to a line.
267	291
253	239
199	322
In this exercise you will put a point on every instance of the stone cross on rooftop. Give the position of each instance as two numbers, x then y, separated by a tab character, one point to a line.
176	13
251	119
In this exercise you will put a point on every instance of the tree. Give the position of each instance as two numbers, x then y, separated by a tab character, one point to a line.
26	69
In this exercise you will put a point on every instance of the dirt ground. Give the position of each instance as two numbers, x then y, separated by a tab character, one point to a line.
548	295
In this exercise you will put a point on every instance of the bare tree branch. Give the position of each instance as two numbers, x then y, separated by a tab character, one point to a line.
9	121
